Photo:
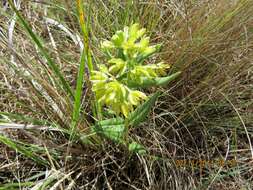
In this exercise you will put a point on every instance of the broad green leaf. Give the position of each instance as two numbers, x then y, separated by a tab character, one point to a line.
137	148
113	121
158	81
111	128
142	111
142	83
161	81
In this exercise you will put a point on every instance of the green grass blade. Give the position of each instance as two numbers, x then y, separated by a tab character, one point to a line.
13	186
86	55
78	95
38	42
19	117
23	150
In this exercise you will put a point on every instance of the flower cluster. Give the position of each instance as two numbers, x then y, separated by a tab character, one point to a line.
126	52
115	95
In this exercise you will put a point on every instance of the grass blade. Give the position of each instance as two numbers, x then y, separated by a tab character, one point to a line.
85	34
78	95
86	55
11	186
23	150
19	117
38	42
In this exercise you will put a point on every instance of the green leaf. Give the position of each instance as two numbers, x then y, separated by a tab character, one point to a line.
141	112
137	148
161	81
113	121
158	81
112	129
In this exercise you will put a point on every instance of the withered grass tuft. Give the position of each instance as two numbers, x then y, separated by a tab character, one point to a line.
198	135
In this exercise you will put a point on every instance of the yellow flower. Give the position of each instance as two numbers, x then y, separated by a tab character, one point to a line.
135	97
127	51
115	95
118	66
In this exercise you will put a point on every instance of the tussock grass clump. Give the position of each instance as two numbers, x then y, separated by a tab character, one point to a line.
198	134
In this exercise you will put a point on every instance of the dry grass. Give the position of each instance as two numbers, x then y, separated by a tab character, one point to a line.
207	115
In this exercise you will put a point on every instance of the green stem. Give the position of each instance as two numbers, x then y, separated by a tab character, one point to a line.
95	107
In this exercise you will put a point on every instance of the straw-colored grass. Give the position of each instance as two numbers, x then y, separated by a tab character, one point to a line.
199	134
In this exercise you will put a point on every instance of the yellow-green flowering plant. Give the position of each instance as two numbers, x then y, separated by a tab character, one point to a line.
117	83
